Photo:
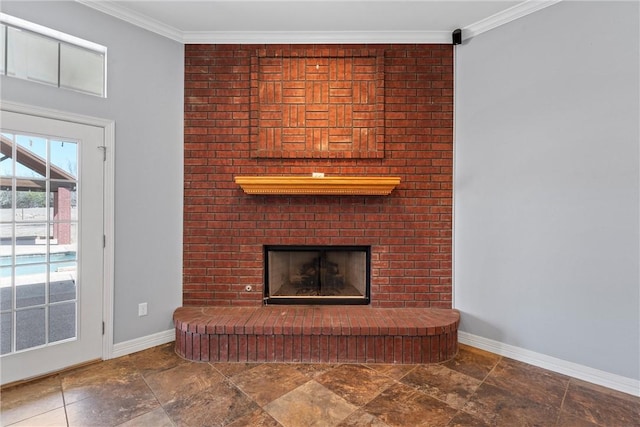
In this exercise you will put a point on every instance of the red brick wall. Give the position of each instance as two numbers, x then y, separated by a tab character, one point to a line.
409	231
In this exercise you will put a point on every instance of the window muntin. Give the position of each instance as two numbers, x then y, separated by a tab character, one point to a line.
3	43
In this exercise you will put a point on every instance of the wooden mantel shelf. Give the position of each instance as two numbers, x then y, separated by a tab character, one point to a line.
308	185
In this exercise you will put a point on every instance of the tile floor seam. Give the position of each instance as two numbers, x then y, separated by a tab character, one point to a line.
407	373
241	390
144	378
225	378
482	381
252	399
66	405
471	395
237	386
564	396
558	409
441	401
357	407
394	381
459	410
64	402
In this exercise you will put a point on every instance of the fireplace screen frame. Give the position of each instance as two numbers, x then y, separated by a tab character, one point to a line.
305	299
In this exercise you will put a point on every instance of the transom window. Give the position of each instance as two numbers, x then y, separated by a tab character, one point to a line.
32	52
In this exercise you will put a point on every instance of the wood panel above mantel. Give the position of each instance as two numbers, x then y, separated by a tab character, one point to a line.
308	185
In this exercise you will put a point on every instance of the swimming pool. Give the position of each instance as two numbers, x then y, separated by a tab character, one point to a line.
36	263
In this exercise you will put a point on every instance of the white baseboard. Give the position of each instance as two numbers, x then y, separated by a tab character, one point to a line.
595	376
143	343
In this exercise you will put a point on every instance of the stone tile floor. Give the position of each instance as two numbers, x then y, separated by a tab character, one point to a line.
157	388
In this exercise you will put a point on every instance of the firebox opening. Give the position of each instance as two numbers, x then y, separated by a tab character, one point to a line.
317	274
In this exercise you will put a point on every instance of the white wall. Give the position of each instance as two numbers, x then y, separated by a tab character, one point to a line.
547	185
145	98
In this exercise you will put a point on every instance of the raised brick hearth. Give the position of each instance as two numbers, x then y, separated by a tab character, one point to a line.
324	334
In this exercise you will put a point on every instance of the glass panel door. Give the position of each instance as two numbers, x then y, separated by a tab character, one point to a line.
51	251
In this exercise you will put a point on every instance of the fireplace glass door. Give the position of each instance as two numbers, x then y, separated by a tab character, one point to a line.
317	274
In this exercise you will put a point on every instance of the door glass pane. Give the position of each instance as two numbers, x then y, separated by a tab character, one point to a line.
63	202
31	155
31	283
6	200
6	162
63	286
31	205
63	262
6	290
32	57
62	321
81	69
6	240
6	267
30	328
64	160
38	207
6	332
31	238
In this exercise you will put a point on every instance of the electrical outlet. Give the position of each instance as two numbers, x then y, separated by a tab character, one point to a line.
142	309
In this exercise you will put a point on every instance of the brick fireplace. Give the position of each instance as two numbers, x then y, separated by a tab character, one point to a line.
280	114
403	128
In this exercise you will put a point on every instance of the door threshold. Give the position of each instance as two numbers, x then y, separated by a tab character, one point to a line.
50	374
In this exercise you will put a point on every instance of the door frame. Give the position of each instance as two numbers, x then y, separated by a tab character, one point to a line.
108	127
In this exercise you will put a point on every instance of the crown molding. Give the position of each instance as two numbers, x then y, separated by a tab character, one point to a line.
49	32
310	37
501	18
138	19
112	8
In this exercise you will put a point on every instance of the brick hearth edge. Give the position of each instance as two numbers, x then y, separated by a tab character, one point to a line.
316	334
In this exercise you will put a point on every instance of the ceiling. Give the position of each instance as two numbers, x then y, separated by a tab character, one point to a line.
317	21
